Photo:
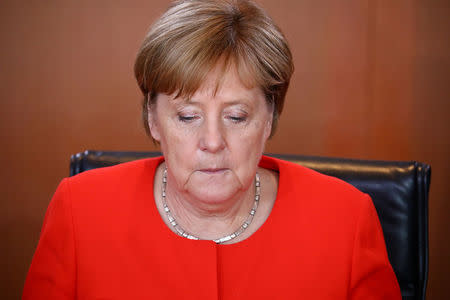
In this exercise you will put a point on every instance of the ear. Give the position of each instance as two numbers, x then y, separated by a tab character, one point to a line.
153	122
269	122
268	128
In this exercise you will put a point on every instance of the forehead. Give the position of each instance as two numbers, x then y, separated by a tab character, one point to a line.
224	84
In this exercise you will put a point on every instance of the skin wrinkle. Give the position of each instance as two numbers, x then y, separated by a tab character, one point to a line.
211	205
205	55
200	37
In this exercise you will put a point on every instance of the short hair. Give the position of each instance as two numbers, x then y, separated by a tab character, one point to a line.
194	36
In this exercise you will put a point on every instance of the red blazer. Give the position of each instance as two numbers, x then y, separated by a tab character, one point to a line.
103	238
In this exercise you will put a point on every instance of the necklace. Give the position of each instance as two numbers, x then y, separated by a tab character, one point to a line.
181	232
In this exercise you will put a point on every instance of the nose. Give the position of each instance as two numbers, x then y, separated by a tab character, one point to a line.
212	136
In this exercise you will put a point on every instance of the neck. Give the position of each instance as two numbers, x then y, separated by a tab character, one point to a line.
205	219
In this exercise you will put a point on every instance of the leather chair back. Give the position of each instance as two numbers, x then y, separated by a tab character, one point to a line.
399	190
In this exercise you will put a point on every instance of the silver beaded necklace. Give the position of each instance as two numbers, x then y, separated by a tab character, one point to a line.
181	232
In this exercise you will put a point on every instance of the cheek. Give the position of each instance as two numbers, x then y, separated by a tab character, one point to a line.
172	134
178	145
247	147
254	135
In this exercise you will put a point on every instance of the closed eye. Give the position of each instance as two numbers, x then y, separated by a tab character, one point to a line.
186	119
236	119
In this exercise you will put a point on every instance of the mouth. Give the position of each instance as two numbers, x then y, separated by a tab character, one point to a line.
213	171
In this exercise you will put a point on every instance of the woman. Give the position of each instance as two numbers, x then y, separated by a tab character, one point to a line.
212	218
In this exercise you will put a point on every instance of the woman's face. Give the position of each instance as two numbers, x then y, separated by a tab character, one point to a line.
213	142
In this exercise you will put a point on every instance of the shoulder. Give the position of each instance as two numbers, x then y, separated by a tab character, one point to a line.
121	173
320	206
111	184
320	195
297	178
111	194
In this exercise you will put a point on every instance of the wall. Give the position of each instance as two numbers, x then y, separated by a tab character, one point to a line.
371	81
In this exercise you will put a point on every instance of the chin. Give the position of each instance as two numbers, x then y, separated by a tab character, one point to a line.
213	189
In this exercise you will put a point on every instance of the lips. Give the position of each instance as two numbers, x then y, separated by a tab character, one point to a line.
213	170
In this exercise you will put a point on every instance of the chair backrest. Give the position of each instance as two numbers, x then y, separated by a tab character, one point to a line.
399	190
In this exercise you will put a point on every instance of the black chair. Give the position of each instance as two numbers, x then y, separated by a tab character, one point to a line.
399	191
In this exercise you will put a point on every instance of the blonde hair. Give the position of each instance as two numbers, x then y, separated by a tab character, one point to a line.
194	36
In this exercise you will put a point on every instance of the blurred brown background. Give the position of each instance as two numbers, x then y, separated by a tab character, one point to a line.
372	81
